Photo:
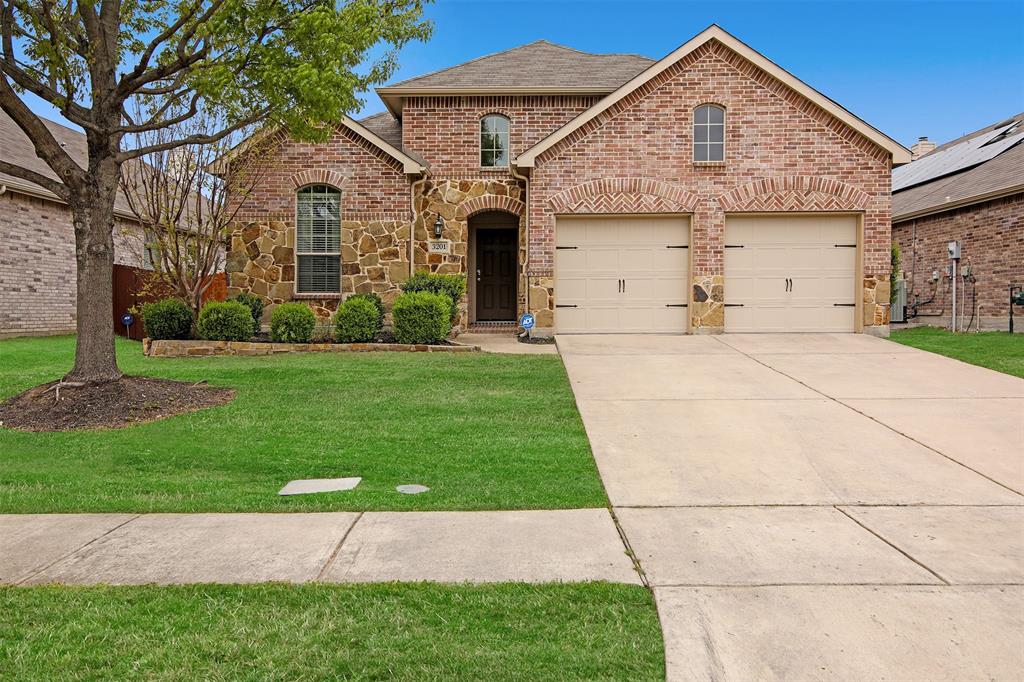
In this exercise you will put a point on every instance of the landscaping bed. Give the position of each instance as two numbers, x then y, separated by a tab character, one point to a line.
194	348
331	632
132	400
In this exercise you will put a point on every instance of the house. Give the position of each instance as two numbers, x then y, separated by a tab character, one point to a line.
707	191
970	190
37	252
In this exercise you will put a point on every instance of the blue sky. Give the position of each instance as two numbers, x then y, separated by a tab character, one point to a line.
909	68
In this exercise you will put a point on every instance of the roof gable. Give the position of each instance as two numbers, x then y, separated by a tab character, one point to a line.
899	153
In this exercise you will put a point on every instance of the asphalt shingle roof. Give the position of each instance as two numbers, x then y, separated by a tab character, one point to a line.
537	65
961	184
16	148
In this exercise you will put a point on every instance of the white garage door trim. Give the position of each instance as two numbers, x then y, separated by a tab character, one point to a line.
796	272
622	274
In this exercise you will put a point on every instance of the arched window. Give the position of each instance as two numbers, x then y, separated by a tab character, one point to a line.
318	240
709	133
494	141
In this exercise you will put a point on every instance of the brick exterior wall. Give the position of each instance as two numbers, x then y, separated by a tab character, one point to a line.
783	153
37	265
991	236
446	130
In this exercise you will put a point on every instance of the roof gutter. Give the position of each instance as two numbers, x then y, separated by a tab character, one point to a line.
960	203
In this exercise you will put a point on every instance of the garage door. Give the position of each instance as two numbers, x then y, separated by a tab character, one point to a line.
621	275
790	273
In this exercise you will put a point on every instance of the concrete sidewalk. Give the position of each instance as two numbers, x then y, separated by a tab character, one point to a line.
525	546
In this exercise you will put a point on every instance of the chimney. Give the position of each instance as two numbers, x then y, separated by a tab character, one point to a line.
921	147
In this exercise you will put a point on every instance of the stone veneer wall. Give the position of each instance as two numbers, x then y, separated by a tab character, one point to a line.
374	257
783	154
457	201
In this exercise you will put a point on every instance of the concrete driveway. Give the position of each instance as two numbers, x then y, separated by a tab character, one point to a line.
814	506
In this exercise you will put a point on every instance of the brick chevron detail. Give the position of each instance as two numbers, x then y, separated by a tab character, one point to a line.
624	195
795	193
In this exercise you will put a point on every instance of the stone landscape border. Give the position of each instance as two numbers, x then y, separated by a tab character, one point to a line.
183	349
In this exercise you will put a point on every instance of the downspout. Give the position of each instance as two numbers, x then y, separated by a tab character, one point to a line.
526	230
412	222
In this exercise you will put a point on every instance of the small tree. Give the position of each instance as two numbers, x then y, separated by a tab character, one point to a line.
185	212
294	63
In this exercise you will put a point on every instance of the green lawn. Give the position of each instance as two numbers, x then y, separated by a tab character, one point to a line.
1000	351
329	632
482	431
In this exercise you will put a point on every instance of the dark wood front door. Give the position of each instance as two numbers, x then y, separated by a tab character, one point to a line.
496	274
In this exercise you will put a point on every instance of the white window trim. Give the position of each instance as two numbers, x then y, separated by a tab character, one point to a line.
693	127
480	142
295	285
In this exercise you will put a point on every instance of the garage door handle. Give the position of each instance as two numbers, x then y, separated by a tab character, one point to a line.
620	286
845	246
844	305
733	305
566	305
671	246
675	305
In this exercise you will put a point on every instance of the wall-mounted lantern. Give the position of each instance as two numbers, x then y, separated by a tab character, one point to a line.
438	227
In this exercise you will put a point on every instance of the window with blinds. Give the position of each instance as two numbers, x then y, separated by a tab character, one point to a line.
318	240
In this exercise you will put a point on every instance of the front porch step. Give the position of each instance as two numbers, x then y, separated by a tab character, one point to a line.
492	328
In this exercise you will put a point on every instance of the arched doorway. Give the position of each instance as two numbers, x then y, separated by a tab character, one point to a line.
494	266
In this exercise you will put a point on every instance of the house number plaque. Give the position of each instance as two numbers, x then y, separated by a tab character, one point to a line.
440	247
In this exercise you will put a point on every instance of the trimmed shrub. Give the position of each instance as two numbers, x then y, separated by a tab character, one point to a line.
421	317
451	286
225	321
358	320
255	305
168	318
292	323
375	300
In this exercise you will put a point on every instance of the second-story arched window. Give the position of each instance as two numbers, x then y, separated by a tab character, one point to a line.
709	133
494	130
318	240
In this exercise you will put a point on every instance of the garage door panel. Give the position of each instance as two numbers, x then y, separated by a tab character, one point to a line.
622	275
790	273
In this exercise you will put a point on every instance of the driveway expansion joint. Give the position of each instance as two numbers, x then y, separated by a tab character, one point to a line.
891	544
96	539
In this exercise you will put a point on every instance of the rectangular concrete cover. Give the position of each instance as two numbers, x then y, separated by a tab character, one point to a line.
622	274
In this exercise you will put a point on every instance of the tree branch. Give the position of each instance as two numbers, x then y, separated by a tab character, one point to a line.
194	139
36	178
46	146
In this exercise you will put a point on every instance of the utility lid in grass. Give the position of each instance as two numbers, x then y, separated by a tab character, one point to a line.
412	489
319	485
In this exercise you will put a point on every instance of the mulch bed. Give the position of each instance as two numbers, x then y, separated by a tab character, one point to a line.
131	400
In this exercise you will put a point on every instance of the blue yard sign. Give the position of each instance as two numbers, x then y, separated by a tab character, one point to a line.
527	321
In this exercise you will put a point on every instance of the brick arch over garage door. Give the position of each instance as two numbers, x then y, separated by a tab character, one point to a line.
795	193
492	202
624	195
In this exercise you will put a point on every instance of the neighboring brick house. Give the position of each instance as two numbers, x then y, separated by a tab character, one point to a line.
969	190
707	191
37	240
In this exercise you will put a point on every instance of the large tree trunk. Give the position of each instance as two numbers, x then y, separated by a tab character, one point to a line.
93	214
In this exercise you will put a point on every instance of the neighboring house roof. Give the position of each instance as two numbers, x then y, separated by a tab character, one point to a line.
979	166
900	154
539	67
16	148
